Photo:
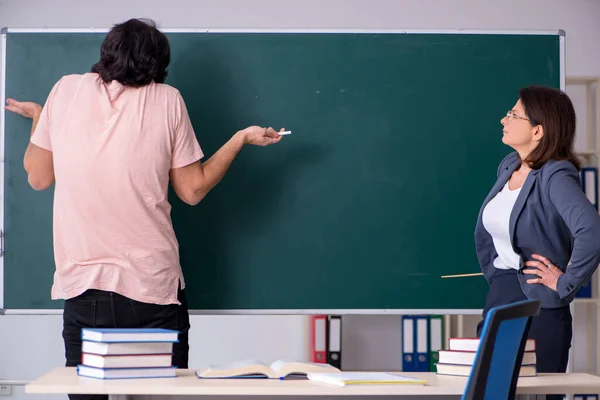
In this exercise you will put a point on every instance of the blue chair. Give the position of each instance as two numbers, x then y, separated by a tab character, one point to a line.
498	359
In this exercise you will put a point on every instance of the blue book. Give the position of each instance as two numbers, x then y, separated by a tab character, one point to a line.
121	335
126	373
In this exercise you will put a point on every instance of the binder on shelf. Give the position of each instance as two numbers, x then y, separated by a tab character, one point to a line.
589	184
334	341
436	340
408	343
585	291
318	338
422	343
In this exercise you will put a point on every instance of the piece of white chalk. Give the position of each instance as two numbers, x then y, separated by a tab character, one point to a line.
285	133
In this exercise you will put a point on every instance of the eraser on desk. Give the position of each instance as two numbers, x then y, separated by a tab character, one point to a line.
285	133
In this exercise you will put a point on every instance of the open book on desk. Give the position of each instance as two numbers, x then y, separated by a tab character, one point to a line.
279	369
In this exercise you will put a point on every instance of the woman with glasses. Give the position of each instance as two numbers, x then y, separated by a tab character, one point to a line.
537	234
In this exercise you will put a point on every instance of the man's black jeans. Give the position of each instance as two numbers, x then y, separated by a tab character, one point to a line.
101	309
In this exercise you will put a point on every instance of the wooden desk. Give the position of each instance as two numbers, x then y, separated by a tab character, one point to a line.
65	380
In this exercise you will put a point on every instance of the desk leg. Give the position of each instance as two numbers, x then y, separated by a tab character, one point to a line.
571	362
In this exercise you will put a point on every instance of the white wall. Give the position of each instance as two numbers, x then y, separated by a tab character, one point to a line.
579	18
370	342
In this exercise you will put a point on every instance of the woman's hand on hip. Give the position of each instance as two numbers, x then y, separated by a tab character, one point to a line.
548	273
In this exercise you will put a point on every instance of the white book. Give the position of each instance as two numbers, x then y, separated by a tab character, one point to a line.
103	348
364	378
465	370
468	357
126	361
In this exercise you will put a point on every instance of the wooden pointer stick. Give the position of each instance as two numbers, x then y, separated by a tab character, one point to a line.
462	275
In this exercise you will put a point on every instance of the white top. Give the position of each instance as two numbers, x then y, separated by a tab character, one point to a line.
65	380
496	217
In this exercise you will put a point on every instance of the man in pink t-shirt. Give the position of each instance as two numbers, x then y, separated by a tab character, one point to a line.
111	141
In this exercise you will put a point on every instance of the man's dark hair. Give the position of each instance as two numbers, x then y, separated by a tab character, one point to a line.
134	53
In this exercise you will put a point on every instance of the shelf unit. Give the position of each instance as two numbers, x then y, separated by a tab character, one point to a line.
590	156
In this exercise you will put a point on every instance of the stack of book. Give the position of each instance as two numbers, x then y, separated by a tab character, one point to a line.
127	353
460	357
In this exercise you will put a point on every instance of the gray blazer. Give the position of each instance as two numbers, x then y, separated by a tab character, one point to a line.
551	217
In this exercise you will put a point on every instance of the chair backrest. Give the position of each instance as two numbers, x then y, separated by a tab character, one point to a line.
498	359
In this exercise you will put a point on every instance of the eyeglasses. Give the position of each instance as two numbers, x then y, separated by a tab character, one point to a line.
511	114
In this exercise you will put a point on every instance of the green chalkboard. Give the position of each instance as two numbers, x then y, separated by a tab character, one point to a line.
396	140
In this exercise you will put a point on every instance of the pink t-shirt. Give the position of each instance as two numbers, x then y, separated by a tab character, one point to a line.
113	147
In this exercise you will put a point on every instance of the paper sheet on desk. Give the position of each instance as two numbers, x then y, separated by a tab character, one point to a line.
364	378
